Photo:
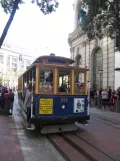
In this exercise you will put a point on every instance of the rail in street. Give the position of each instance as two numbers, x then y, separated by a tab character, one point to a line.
72	146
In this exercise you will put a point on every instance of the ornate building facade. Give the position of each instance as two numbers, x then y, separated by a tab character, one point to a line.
96	55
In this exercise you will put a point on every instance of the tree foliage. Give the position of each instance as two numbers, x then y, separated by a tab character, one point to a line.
46	6
10	6
100	15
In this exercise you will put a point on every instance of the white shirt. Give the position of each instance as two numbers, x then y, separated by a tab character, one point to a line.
104	95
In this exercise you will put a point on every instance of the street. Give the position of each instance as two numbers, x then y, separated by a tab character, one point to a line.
99	140
35	146
101	133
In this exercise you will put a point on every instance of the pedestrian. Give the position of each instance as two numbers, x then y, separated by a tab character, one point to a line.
118	94
112	102
1	99
11	100
104	96
109	93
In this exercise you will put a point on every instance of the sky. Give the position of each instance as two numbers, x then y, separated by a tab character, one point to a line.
41	34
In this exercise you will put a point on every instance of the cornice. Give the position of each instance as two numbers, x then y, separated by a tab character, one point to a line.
77	33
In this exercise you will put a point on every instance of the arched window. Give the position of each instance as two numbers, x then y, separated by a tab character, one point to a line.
97	66
78	60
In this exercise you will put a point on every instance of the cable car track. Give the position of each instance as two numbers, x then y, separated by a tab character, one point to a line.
82	146
67	157
106	120
95	147
81	150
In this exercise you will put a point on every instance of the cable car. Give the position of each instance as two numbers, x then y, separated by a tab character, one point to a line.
59	98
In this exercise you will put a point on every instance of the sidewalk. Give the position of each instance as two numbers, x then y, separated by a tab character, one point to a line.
10	149
105	113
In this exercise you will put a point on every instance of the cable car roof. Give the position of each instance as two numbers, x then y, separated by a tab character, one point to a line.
53	59
56	61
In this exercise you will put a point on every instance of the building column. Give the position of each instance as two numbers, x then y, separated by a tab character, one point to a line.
25	65
5	61
10	62
71	52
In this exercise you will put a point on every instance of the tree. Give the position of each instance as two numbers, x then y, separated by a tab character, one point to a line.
100	15
11	6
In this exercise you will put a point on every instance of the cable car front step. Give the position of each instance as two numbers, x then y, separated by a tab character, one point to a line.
58	128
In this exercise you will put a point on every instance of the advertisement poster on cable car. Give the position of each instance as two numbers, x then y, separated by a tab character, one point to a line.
79	105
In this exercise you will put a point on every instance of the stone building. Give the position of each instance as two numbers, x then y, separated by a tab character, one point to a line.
97	55
9	63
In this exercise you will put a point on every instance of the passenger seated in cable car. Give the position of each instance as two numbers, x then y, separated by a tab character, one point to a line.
50	78
63	88
47	83
46	86
68	88
82	87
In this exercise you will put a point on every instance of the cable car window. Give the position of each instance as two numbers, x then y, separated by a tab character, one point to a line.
64	81
46	80
79	82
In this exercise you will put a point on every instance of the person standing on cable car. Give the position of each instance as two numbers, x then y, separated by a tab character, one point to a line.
27	102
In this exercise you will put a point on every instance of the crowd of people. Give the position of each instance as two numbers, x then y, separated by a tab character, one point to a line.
108	97
6	93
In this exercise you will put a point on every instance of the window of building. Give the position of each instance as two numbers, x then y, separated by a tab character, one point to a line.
1	58
14	65
14	60
28	63
8	59
79	82
8	64
46	80
14	70
78	60
117	42
64	81
73	51
27	67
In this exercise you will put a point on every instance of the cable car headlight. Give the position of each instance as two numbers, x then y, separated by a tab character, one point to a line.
63	107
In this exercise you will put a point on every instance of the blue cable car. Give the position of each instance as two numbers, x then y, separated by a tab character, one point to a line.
58	96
